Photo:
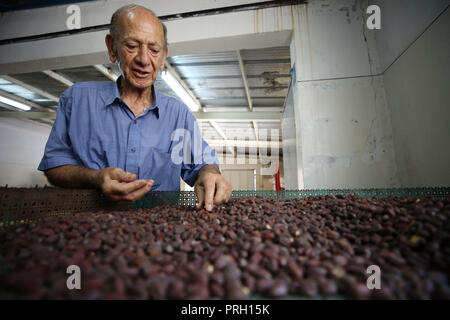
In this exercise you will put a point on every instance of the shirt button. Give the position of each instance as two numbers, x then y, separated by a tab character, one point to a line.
135	121
132	149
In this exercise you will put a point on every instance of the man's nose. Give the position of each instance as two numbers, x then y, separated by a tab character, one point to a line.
143	56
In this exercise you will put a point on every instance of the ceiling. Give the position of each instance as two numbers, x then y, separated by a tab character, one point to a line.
9	5
217	80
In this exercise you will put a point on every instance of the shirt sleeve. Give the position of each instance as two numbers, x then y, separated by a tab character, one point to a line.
201	153
58	150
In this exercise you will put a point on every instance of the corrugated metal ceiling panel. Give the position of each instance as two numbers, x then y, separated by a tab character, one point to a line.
269	92
266	53
222	93
259	101
269	81
269	68
224	102
204	71
82	74
26	94
235	82
215	83
240	92
202	58
42	81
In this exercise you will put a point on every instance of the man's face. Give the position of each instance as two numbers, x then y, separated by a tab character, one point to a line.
139	48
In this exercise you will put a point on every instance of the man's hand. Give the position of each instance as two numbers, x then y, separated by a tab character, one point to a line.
211	188
119	185
113	182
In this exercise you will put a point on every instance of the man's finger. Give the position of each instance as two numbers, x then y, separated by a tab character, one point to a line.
139	193
229	192
127	177
209	194
200	193
121	175
125	188
221	193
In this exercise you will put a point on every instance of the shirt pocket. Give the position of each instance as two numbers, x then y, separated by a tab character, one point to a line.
159	166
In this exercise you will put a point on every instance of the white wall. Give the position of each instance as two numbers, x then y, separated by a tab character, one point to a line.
347	135
22	144
340	104
372	105
402	21
417	89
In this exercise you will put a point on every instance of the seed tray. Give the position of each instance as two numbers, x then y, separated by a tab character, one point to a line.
21	205
252	247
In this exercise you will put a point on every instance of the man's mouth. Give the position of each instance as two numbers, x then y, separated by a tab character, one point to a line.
140	74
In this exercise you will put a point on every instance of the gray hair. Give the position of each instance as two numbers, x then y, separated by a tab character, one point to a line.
113	27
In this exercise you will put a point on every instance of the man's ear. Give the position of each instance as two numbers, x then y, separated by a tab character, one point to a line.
111	50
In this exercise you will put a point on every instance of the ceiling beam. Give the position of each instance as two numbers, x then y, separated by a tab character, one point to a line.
244	80
30	87
175	74
106	72
27	25
27	115
27	102
58	77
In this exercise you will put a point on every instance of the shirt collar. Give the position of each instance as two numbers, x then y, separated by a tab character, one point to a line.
112	93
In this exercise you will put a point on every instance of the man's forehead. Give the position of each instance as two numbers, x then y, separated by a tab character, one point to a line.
139	21
138	16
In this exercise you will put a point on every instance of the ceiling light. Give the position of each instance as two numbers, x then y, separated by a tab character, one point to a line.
14	103
180	90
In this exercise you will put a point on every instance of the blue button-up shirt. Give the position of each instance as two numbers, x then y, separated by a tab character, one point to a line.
94	128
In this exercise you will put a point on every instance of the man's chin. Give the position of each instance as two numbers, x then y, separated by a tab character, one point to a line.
143	83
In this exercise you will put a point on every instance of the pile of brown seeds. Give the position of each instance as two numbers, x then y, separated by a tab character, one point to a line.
319	246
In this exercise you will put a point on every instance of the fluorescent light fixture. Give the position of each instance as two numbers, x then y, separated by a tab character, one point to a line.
179	90
14	103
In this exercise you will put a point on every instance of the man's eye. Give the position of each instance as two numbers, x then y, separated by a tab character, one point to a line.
154	51
130	46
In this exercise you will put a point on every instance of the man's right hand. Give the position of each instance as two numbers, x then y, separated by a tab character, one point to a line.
120	185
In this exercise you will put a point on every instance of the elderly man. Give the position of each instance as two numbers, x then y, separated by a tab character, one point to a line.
118	137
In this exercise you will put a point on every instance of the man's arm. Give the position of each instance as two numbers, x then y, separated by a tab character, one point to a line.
211	187
113	182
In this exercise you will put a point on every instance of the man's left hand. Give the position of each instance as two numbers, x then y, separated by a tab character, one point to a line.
211	188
